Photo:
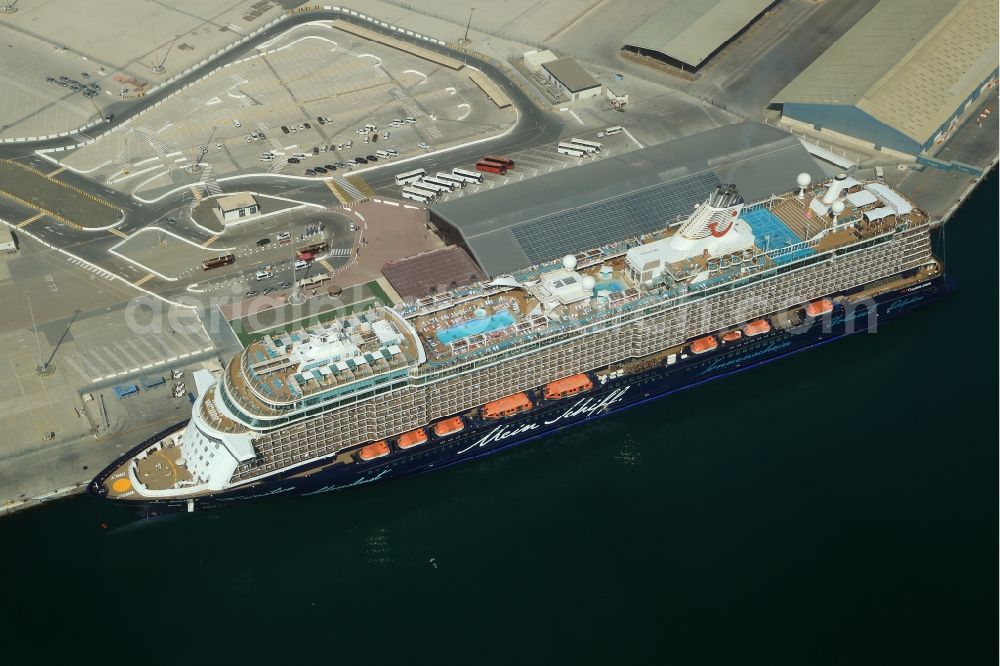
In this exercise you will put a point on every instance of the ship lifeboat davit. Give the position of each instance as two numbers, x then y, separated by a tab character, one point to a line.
705	344
732	336
449	426
756	327
512	404
373	451
413	438
819	308
567	386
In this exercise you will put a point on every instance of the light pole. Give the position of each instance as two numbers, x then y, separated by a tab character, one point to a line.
465	40
40	368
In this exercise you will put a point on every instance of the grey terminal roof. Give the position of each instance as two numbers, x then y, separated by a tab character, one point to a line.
570	74
689	31
907	63
609	199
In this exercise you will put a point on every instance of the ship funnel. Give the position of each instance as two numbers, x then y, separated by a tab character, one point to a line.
835	188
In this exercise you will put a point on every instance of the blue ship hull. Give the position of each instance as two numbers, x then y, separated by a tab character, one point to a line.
482	437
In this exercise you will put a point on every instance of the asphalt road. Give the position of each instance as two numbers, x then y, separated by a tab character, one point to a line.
534	128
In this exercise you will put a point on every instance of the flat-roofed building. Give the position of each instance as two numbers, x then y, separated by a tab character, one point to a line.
687	33
901	77
7	242
540	219
432	272
571	79
235	206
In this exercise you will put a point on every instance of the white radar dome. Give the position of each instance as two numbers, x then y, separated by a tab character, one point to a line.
569	262
837	207
589	283
803	179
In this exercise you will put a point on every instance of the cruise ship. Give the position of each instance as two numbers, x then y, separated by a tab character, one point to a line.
402	390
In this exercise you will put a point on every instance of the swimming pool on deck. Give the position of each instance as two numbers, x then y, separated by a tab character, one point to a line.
772	234
493	322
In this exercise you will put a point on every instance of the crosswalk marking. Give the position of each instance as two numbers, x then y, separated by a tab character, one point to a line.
337	190
326	264
93	269
57	171
143	280
30	220
359	186
118	233
340	252
196	191
211	240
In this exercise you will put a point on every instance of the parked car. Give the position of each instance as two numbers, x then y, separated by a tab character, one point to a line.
320	120
360	160
306	125
284	235
329	167
293	160
424	145
237	123
252	293
263	241
371	158
310	172
319	169
284	128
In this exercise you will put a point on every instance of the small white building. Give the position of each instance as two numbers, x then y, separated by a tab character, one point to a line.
571	79
534	60
236	206
7	242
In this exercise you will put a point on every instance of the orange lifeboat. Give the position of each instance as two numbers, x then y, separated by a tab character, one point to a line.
567	386
449	426
373	451
705	344
512	404
819	308
732	336
413	438
756	327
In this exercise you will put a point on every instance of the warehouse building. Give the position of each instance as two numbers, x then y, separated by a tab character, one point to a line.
571	79
687	33
899	79
539	219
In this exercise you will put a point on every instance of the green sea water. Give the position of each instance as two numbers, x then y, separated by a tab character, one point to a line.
836	507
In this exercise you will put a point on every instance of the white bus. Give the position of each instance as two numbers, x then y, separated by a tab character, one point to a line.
443	183
450	178
433	187
409	176
589	146
570	149
468	176
383	153
415	195
611	131
422	188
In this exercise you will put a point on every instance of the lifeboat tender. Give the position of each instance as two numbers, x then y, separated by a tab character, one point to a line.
756	327
373	451
705	344
732	336
819	308
508	406
449	426
567	386
413	438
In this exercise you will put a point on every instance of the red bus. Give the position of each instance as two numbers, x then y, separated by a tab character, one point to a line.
491	167
506	161
224	260
309	251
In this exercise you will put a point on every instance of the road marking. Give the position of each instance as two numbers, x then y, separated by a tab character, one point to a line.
196	191
360	186
210	240
118	233
30	220
326	264
144	280
341	195
56	172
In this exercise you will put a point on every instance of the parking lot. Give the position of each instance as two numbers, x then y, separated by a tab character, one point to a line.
322	85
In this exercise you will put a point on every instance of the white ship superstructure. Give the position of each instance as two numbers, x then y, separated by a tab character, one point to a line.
324	391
